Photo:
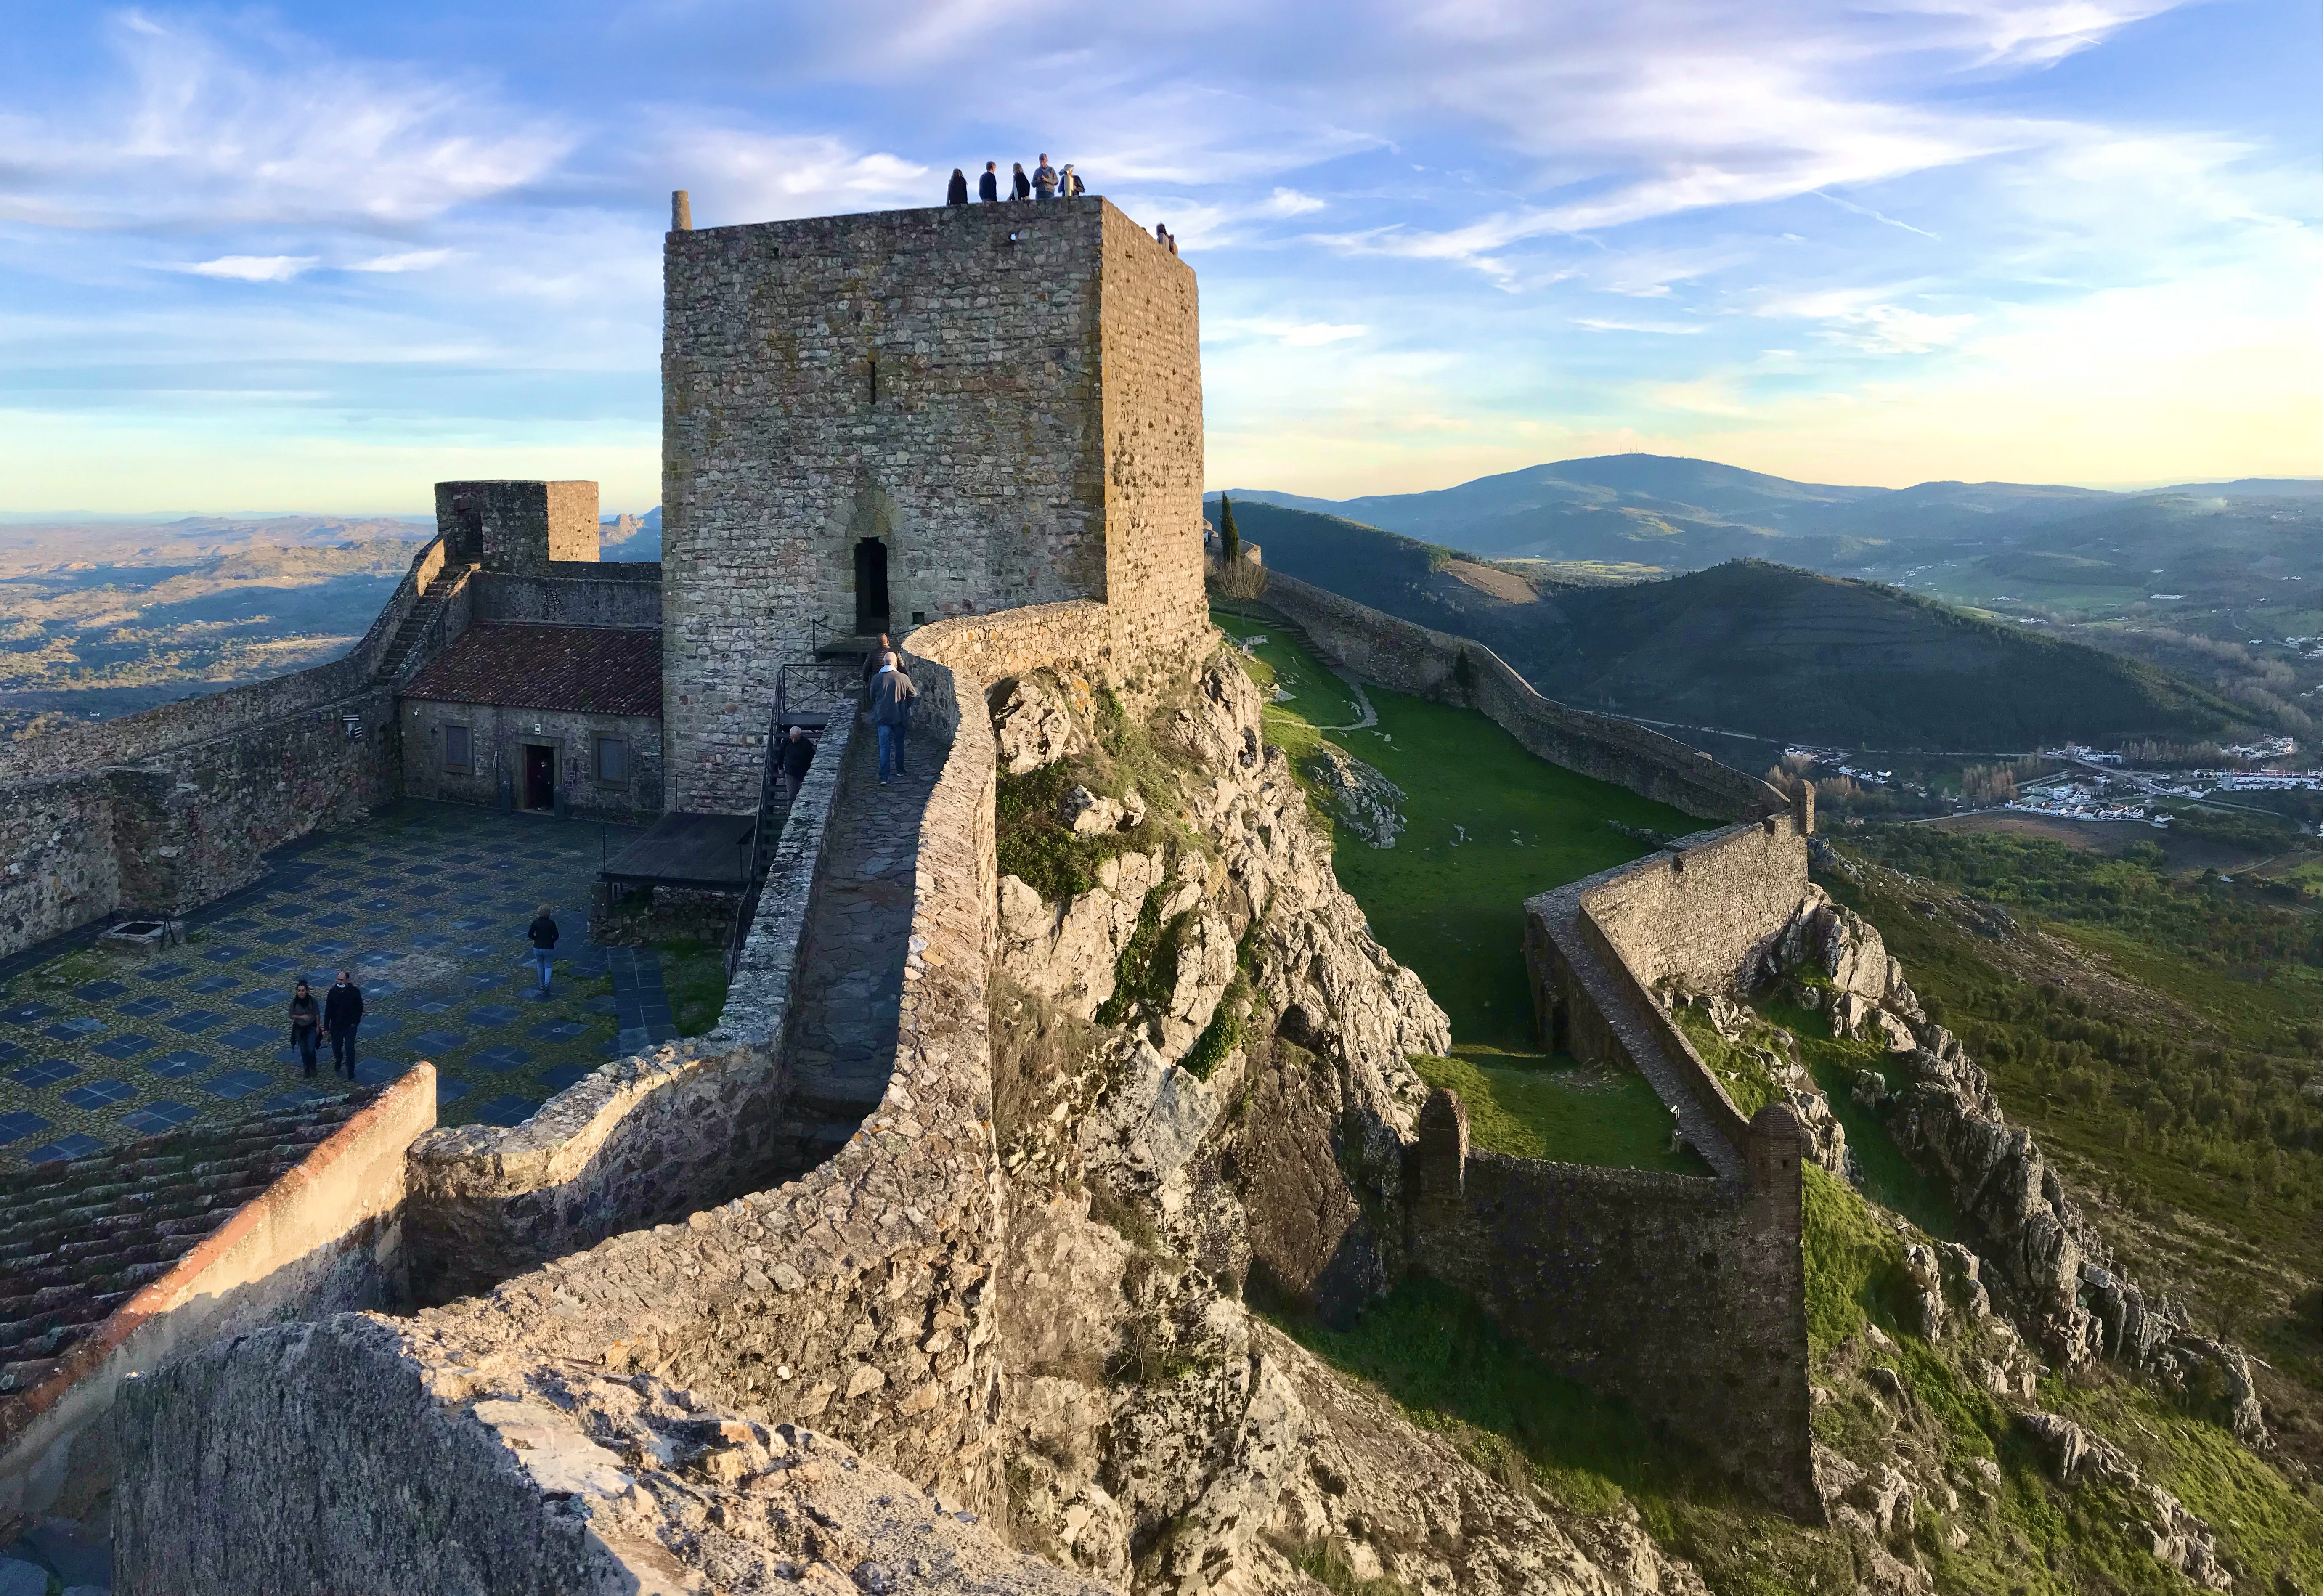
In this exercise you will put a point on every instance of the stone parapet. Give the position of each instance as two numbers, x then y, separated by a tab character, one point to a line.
650	1138
1435	665
326	1236
859	1297
1683	1296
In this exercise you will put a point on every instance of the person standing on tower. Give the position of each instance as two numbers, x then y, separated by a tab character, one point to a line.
1044	179
958	193
1024	183
987	187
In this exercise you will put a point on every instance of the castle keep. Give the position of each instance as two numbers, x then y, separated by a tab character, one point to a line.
871	423
829	1292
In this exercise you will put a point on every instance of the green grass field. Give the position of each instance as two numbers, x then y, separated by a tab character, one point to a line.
1532	1107
1489	826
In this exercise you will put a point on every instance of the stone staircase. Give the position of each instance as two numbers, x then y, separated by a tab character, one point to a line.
419	623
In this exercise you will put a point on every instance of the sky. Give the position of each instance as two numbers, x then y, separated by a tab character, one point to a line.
318	258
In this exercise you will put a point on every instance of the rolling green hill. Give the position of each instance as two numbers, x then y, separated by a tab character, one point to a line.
1758	647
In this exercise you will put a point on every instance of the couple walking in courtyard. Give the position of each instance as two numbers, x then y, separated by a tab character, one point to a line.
890	694
335	1020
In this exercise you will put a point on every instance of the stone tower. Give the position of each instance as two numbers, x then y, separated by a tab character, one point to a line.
870	422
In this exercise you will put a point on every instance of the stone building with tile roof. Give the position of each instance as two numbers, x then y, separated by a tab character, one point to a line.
534	716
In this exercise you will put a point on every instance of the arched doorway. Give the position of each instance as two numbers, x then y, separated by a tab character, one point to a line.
870	587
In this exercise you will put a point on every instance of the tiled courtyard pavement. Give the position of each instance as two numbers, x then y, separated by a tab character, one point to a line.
429	905
859	936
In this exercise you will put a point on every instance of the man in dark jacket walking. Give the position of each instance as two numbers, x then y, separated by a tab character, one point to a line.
796	753
542	933
871	663
342	1017
892	693
987	187
958	193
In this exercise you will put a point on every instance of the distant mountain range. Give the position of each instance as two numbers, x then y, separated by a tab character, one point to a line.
1755	647
1679	514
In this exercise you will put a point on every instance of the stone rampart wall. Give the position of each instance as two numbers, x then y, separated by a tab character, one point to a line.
992	648
859	1296
325	1238
1414	659
174	806
1149	328
1683	1297
132	740
651	1138
1698	912
574	592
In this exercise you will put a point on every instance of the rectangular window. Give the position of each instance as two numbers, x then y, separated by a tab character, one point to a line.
455	748
612	759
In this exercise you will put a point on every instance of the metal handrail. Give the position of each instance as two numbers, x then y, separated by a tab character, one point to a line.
774	805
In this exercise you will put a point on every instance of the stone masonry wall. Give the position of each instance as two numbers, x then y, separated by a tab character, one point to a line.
651	1138
1150	326
620	593
1698	913
325	1237
859	1297
174	806
1683	1297
1414	659
496	740
930	381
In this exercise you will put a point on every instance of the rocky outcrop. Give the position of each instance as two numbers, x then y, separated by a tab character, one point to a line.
1039	719
1366	801
2048	1263
1160	1436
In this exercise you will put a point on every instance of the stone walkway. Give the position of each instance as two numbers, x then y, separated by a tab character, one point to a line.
857	936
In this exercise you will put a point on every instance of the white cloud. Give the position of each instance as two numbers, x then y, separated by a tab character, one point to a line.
1290	202
409	261
1598	324
252	268
738	175
227	126
1295	334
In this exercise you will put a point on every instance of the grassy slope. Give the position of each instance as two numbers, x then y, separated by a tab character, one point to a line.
1452	1369
1489	826
1532	1107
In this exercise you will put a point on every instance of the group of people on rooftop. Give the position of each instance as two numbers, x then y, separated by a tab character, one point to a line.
1043	182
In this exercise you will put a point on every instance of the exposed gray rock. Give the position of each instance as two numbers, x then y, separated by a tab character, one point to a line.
1365	800
2184	1542
1034	725
1088	813
1068	951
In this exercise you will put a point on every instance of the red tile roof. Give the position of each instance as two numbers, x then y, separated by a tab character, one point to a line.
594	670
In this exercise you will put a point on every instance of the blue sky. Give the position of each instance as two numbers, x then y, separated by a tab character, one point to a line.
318	258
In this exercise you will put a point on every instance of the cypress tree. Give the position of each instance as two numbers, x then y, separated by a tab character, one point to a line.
1229	539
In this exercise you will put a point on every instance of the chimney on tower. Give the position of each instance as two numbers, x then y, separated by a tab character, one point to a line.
681	212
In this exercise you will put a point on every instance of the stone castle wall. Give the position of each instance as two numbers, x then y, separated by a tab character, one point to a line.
571	593
1150	329
652	1138
934	382
496	741
1683	1297
1413	659
325	1237
177	806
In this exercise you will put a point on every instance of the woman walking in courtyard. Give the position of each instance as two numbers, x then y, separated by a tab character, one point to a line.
306	1026
542	934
